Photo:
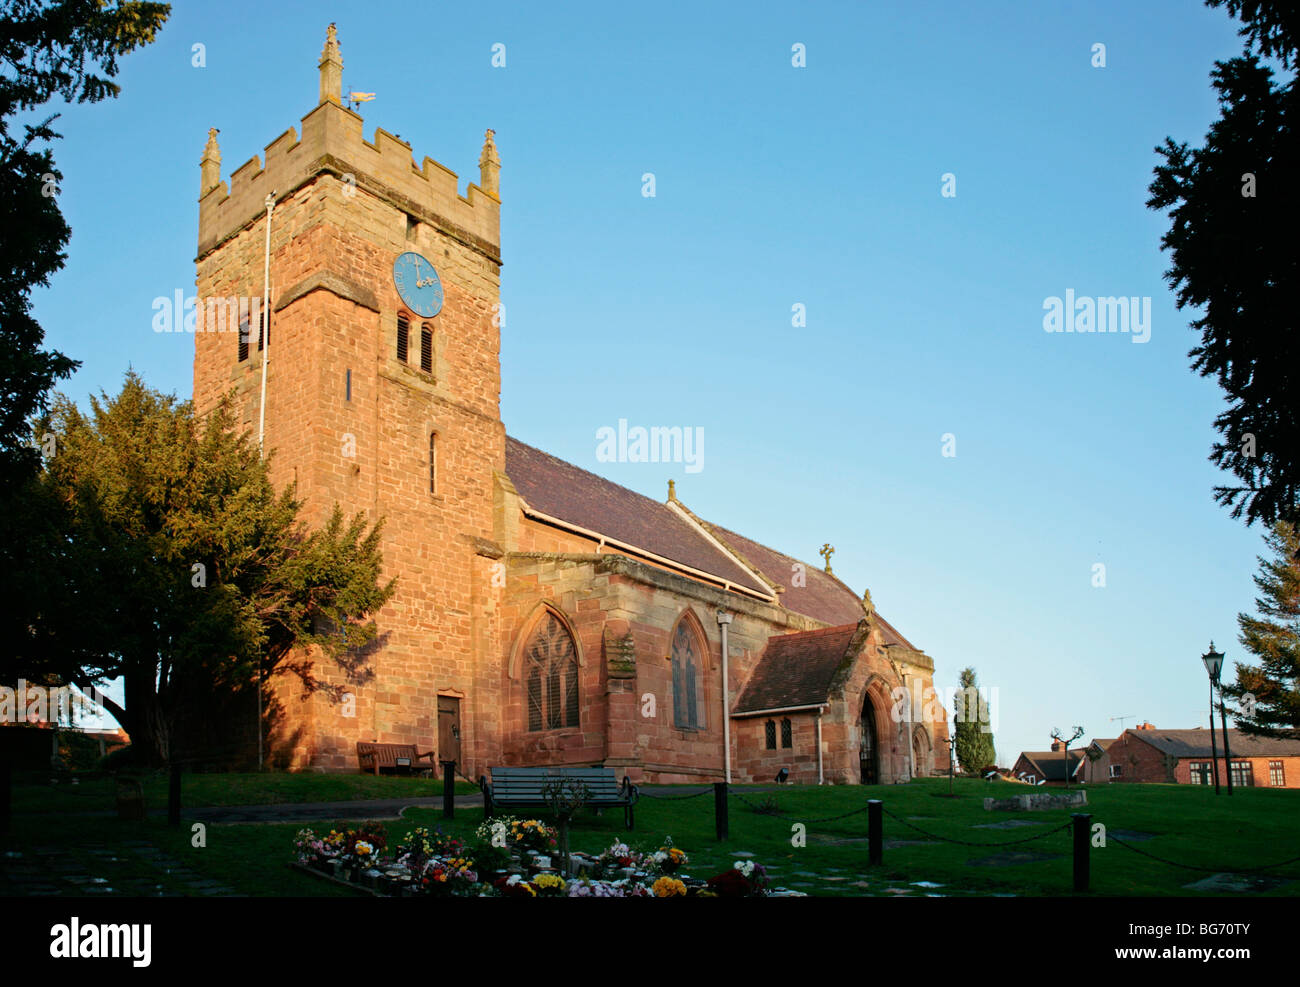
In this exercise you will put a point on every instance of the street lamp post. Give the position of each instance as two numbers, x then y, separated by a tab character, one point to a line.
1213	663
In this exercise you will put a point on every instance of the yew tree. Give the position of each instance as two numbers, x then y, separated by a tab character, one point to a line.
174	564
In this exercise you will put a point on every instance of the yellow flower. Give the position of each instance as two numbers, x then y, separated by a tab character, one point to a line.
668	887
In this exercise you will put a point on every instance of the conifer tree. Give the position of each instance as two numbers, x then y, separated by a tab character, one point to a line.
974	736
1268	694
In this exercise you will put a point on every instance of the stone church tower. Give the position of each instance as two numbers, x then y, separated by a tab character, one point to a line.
383	404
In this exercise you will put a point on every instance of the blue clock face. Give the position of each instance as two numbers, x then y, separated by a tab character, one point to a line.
418	285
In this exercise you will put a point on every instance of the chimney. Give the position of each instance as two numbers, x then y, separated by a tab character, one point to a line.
1058	745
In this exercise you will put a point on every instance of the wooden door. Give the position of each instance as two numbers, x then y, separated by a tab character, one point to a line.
449	729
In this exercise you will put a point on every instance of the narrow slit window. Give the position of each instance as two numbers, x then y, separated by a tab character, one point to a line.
403	336
426	349
262	335
433	462
348	386
243	338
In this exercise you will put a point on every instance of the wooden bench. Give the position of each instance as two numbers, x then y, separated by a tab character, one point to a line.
376	756
519	787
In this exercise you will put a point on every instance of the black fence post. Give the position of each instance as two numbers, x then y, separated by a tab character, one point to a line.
1082	842
174	794
875	828
448	789
720	810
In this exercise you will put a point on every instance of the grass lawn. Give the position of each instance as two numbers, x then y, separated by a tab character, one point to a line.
34	793
1186	823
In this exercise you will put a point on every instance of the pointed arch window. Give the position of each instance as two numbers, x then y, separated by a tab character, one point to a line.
686	678
769	734
551	676
787	733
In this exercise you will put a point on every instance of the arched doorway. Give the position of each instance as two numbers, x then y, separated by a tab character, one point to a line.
870	753
921	760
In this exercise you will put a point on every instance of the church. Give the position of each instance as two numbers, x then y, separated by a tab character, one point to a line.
543	615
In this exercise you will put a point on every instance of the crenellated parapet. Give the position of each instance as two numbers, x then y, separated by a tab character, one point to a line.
332	143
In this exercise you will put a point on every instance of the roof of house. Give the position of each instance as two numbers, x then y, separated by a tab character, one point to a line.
1103	744
1051	765
1196	743
561	490
796	669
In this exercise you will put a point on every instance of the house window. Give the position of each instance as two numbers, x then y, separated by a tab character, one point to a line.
770	730
426	348
1200	773
403	336
433	462
1242	775
787	733
243	338
1276	774
1116	770
686	675
551	674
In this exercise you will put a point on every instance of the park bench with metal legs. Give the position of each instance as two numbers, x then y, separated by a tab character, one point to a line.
532	787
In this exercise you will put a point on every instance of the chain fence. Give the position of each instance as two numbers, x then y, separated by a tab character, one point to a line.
1197	867
974	843
642	793
766	811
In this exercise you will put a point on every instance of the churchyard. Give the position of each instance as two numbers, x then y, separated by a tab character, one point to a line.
1159	840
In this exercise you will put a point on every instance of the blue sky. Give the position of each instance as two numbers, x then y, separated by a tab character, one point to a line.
778	186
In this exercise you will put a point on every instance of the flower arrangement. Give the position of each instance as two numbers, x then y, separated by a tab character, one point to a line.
745	880
515	886
312	849
532	834
371	835
448	876
550	885
516	834
433	863
669	887
668	859
618	856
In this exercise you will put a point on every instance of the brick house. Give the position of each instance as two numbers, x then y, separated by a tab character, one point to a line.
1052	767
1096	766
543	614
1185	757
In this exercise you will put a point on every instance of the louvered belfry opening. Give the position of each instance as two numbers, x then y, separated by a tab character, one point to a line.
403	336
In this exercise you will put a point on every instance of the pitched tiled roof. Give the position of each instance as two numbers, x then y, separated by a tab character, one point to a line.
1196	743
796	669
564	491
1051	764
559	489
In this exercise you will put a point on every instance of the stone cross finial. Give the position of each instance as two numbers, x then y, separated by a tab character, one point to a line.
672	489
489	166
331	69
826	551
210	164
